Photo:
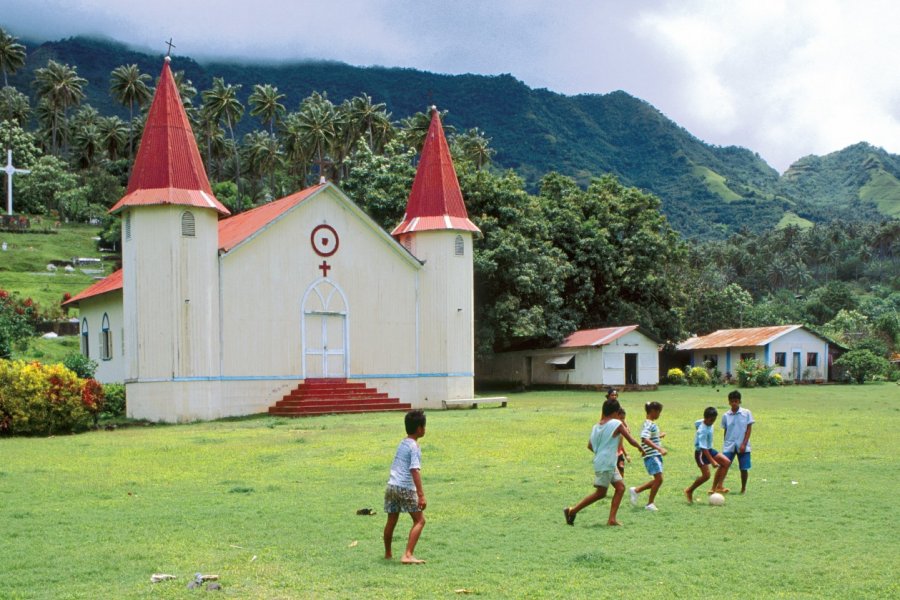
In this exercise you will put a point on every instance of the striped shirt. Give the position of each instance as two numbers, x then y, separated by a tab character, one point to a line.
650	431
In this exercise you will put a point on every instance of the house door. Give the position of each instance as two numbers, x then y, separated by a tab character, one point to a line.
324	331
796	366
631	369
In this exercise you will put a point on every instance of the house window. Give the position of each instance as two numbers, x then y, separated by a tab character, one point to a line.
128	225
711	361
781	359
812	359
85	339
748	356
567	366
105	339
459	246
188	228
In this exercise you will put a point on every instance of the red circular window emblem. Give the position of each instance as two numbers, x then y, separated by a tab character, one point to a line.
324	240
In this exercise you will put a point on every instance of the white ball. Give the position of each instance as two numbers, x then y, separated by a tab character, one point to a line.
716	499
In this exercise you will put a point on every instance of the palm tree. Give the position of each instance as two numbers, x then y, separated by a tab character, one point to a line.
474	147
12	55
295	151
114	135
414	129
61	87
186	90
211	136
372	119
264	153
51	125
129	86
316	127
87	143
14	106
221	102
266	103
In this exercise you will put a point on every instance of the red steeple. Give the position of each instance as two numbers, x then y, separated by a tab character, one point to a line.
168	168
435	201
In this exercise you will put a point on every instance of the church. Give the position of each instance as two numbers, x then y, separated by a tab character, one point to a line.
213	315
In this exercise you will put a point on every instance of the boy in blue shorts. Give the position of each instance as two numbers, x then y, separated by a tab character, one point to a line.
604	443
653	453
404	491
738	424
705	455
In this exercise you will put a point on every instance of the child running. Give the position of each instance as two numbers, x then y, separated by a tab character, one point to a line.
653	453
621	455
604	442
705	455
404	491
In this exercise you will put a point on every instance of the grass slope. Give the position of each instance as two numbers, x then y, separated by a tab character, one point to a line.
269	505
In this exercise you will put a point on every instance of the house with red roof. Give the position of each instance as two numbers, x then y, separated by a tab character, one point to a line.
300	306
623	356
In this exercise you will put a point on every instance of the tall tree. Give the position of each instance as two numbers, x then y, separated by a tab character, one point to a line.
265	102
14	106
61	87
114	136
129	87
12	55
316	128
221	103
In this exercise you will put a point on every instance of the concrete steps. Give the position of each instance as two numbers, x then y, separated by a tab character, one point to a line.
334	396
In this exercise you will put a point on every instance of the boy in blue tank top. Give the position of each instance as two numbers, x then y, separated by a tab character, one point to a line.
604	443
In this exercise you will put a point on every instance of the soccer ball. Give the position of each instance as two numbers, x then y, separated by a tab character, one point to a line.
716	499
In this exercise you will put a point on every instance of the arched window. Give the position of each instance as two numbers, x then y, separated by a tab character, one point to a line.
85	339
459	246
105	339
188	228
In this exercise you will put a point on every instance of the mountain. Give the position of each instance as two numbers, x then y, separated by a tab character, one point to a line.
706	191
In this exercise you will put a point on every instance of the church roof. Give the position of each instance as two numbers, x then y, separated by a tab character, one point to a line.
109	284
168	168
435	201
236	229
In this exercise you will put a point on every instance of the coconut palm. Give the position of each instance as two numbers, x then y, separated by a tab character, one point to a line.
113	135
212	138
61	87
129	87
413	129
295	151
221	102
12	55
52	125
14	106
264	153
265	102
474	147
372	119
186	90
316	128
87	145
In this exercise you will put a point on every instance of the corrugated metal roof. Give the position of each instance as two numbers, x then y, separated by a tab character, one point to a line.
596	337
236	229
109	284
435	191
733	338
168	168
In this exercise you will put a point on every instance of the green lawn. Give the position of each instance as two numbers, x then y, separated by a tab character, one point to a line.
269	505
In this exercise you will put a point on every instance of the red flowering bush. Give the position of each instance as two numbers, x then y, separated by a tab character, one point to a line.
38	399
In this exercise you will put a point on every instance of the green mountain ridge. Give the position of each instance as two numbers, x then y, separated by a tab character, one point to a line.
707	191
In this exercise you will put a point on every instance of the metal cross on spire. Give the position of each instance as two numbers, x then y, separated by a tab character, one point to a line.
171	45
10	170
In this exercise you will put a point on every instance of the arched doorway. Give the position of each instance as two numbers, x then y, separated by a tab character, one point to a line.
324	331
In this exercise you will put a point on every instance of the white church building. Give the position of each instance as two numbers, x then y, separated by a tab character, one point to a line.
214	315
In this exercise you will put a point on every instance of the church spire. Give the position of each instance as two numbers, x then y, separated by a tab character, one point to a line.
435	201
168	168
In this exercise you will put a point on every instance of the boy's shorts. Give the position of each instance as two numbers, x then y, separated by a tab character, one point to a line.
743	459
605	478
653	464
400	500
700	458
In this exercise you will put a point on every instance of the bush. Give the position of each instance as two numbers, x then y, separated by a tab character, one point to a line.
81	365
675	376
862	364
776	379
114	406
752	373
38	399
699	376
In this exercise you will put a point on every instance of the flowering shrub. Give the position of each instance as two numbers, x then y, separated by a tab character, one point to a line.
752	373
38	399
776	379
699	376
675	376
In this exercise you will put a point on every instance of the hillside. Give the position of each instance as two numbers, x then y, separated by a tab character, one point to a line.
707	191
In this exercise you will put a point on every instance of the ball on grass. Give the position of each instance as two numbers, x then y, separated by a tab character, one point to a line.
716	499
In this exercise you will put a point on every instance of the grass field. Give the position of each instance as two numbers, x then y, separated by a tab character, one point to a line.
269	505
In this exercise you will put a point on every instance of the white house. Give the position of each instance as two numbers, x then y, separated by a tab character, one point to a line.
593	358
793	351
213	316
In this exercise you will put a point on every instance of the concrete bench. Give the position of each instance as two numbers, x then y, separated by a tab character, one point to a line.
474	402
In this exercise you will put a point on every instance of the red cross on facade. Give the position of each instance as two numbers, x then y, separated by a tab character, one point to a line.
325	268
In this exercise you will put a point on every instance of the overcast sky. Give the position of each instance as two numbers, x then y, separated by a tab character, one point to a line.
782	78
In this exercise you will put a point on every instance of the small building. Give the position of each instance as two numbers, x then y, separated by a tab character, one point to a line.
795	352
625	356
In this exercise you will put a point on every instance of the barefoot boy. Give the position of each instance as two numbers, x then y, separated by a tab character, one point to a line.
404	491
604	443
705	455
738	424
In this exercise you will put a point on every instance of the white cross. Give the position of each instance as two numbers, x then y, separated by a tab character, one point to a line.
10	170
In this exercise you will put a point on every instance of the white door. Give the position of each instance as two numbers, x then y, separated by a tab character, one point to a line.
325	331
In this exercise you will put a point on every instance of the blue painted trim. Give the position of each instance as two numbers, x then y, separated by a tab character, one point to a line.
728	360
767	352
299	377
408	375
